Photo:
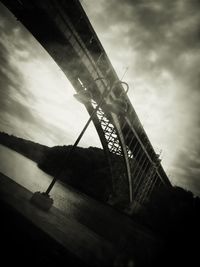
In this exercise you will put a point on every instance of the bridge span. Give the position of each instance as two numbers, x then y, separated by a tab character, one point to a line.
64	30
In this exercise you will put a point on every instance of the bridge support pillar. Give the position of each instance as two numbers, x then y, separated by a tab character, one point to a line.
42	201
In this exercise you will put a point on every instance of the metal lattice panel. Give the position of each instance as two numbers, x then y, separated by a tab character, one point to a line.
116	157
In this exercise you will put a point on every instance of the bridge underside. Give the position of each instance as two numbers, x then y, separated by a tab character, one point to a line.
64	30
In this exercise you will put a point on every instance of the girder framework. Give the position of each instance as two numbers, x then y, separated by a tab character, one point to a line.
116	157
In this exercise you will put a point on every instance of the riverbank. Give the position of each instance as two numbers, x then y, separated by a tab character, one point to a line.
92	176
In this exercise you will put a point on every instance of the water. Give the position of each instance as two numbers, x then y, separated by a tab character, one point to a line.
26	173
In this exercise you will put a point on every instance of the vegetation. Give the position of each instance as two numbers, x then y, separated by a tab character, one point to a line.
29	149
86	169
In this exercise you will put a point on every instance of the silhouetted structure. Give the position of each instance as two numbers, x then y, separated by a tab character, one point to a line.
63	29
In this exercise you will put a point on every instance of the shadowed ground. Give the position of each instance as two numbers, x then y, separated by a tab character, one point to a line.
98	236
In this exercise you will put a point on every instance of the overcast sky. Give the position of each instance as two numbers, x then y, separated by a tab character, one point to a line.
158	41
36	100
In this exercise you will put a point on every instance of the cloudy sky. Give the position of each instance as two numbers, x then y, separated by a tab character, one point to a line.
36	100
154	43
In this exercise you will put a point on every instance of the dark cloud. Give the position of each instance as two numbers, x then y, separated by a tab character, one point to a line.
10	27
13	95
11	80
11	83
168	28
187	169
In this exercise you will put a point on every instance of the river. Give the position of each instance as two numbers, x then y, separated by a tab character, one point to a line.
26	173
95	215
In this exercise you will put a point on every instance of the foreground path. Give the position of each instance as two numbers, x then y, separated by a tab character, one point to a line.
94	234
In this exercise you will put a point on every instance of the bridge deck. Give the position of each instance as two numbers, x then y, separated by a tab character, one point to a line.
100	234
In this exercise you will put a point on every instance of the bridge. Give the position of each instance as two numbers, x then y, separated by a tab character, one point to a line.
64	30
